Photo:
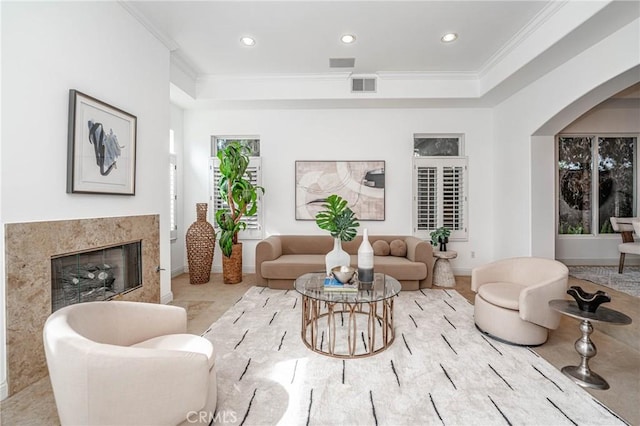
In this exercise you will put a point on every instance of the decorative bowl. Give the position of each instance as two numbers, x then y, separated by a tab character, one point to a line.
588	302
344	274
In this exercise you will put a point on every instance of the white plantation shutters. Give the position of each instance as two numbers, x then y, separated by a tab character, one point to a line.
254	223
440	196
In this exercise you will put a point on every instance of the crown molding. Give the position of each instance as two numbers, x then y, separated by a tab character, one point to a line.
168	42
523	34
184	65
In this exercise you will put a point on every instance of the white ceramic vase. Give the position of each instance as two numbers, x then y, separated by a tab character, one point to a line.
337	256
365	259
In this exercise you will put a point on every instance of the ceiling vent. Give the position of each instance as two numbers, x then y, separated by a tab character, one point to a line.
363	84
342	62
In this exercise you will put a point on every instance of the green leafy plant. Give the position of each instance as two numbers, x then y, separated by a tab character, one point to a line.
338	218
238	192
442	232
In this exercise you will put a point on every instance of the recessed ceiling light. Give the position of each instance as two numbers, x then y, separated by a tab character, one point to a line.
348	38
449	37
247	41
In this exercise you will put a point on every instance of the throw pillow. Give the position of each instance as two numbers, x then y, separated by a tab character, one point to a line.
381	248
398	248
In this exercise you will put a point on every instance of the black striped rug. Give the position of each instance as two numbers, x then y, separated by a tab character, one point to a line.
439	370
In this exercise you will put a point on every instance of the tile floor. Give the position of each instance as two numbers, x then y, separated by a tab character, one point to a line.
618	358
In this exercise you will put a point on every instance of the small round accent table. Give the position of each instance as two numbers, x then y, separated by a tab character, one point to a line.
442	272
581	374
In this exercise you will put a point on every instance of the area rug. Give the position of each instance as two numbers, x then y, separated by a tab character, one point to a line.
439	370
608	276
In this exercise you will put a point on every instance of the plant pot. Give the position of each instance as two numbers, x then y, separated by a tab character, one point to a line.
337	256
232	266
443	243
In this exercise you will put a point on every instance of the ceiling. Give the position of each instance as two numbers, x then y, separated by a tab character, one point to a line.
502	46
294	37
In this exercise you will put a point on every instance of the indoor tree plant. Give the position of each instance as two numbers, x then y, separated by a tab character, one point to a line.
241	197
341	222
440	235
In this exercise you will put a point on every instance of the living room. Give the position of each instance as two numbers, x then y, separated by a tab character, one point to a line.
577	57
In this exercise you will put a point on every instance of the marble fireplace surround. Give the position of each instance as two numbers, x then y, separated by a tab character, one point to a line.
28	251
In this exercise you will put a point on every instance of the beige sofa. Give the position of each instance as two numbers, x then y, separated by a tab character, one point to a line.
280	259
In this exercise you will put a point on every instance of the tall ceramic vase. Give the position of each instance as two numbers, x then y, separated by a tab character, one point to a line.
232	266
201	242
337	256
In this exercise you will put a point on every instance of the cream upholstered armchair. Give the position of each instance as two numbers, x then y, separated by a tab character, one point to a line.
625	226
512	300
117	363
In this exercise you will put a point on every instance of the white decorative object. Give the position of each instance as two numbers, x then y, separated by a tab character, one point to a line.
365	259
337	256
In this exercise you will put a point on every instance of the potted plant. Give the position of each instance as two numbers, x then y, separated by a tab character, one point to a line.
241	197
440	236
341	222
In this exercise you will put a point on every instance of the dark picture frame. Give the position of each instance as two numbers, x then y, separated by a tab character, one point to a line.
361	183
101	149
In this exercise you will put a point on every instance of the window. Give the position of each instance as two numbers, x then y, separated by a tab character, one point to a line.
173	188
439	186
597	179
254	170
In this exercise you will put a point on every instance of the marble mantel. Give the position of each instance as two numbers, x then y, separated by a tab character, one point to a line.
29	248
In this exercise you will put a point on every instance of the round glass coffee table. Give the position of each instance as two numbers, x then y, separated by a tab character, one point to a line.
347	324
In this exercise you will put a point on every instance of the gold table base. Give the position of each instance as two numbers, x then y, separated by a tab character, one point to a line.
314	311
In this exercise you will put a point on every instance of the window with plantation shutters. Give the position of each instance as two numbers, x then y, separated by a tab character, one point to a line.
440	196
254	223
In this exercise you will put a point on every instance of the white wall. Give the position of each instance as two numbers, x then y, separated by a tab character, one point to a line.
178	251
99	49
525	201
345	134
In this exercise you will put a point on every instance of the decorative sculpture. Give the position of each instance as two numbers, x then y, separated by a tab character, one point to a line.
588	302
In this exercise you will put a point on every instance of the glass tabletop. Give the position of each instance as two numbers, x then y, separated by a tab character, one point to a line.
602	314
312	285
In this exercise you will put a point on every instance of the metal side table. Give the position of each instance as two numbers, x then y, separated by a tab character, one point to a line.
581	374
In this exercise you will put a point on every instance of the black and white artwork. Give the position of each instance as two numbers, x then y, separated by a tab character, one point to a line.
101	148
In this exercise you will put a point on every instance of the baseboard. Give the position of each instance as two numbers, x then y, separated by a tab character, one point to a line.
461	271
4	391
167	298
178	271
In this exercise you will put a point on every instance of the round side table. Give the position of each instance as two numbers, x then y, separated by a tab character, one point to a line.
442	272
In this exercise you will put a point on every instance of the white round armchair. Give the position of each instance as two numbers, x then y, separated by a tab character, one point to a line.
513	297
128	363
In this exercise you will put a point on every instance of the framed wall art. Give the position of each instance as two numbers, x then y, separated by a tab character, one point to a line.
361	183
101	152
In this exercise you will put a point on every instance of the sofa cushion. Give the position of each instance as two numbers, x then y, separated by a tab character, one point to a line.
505	295
400	268
381	248
398	248
291	266
181	342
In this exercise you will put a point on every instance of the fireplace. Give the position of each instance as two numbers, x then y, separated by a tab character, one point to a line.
33	255
95	275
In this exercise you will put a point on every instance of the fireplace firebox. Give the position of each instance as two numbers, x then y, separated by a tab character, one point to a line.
99	274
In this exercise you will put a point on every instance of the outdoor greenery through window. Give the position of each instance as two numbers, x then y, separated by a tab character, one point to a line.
597	178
